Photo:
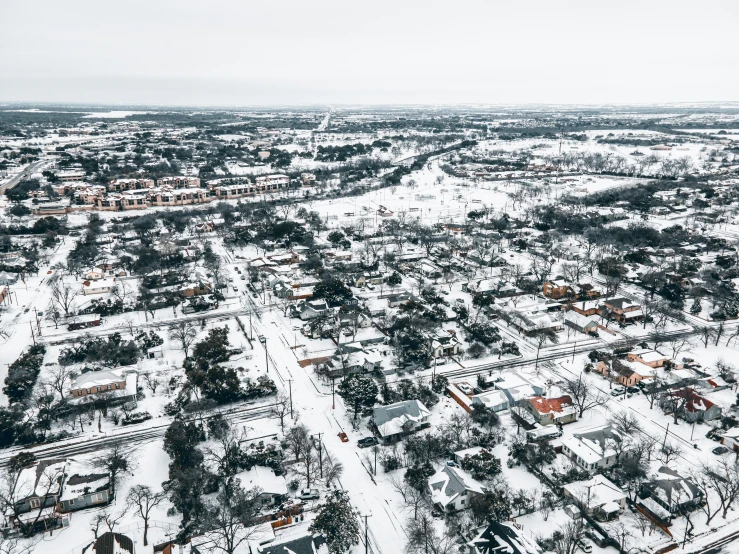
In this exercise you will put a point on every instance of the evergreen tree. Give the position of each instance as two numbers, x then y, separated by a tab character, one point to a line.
359	392
337	522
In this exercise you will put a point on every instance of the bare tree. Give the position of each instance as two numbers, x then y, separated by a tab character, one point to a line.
14	491
230	518
151	382
584	395
106	519
280	409
670	451
54	315
117	460
143	500
723	479
185	333
413	498
626	422
60	377
63	295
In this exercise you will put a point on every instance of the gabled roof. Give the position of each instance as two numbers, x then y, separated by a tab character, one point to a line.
671	487
449	483
549	405
390	419
504	538
113	543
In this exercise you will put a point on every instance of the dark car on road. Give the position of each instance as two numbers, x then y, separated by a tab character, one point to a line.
720	450
367	441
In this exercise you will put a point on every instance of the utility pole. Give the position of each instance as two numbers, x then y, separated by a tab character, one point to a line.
290	384
320	453
573	352
366	541
32	335
667	430
333	396
263	340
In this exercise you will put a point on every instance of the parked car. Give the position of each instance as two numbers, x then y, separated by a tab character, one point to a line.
632	390
364	442
465	388
451	463
309	494
618	391
719	450
585	545
344	438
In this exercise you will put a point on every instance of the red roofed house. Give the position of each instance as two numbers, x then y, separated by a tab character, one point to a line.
547	411
690	405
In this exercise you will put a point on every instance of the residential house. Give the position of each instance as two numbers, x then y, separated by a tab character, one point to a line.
8	278
311	309
100	286
113	543
494	400
84	321
598	496
103	382
93	274
548	411
690	405
622	310
503	538
304	544
452	489
395	420
84	489
557	289
351	362
444	343
595	447
395	300
516	387
672	491
272	487
581	323
36	493
651	358
197	288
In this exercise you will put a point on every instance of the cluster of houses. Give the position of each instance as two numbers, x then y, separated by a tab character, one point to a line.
47	492
134	194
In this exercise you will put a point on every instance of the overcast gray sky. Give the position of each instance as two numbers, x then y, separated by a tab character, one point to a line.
243	52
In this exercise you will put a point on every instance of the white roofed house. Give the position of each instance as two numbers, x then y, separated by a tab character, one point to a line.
444	343
495	400
99	286
581	323
116	384
272	487
452	489
395	420
598	496
84	488
597	447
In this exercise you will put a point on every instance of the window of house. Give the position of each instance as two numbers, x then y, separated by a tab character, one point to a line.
35	503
